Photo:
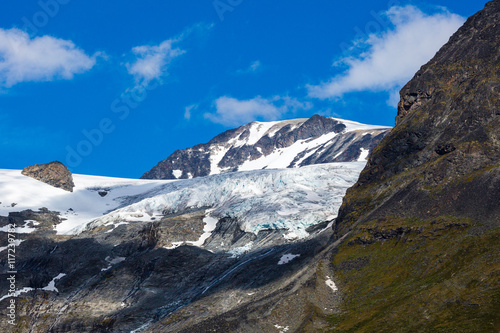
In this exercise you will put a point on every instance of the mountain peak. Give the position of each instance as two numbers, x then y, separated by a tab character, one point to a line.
277	144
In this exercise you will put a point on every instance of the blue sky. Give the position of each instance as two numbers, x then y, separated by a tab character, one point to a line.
112	87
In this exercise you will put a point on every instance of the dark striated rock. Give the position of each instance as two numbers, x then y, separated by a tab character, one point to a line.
54	173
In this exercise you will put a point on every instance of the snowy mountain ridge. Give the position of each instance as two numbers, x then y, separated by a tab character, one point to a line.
273	145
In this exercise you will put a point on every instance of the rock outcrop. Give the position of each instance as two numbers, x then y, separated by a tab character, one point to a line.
54	173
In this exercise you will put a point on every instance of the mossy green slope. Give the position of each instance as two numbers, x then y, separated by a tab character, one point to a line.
434	275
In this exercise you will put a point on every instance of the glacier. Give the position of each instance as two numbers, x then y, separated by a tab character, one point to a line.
271	199
288	199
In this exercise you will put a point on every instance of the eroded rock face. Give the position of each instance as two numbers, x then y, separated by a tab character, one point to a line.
54	173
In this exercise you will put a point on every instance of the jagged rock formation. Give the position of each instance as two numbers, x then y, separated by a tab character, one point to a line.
280	144
425	212
54	173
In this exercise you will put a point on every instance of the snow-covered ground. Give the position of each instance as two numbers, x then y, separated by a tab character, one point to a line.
291	199
18	192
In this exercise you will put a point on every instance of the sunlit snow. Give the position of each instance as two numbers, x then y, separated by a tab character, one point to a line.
289	199
364	154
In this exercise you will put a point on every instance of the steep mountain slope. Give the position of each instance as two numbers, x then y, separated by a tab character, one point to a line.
422	222
273	145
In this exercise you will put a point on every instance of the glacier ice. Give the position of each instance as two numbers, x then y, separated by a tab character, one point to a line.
290	199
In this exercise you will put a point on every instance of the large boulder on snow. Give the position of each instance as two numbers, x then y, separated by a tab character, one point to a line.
54	173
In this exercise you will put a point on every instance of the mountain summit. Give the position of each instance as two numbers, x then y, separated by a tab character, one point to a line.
273	145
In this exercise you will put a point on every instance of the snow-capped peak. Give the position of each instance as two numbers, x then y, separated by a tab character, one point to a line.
278	144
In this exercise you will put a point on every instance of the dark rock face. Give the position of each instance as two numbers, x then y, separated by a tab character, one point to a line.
447	134
54	173
429	191
198	161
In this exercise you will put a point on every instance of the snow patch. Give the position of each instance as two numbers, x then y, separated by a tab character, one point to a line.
354	125
50	287
112	262
239	251
210	224
24	229
174	245
286	258
258	130
329	282
363	155
282	329
115	225
177	173
17	293
52	284
216	155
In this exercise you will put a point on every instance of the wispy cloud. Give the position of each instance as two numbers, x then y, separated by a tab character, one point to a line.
151	62
45	58
230	111
254	67
188	109
390	59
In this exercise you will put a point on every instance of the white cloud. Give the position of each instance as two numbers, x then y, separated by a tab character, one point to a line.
393	57
254	67
151	61
44	58
233	112
188	109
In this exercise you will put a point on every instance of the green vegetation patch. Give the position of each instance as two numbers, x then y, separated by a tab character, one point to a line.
410	275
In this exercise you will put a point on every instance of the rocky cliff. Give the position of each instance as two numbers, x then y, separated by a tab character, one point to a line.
280	144
422	222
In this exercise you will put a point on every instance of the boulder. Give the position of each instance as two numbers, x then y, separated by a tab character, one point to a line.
54	173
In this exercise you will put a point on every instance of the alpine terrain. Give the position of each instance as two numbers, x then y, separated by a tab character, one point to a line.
126	255
273	145
305	225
